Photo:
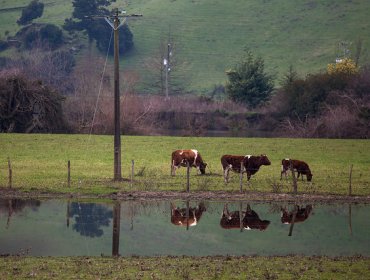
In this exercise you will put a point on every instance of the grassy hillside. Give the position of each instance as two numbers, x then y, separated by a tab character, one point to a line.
209	35
39	162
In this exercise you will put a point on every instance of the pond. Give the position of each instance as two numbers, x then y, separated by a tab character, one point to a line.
192	228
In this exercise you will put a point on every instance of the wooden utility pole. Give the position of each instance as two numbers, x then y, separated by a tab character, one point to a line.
117	115
167	68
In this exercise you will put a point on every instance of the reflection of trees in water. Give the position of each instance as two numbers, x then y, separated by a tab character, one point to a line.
11	206
89	217
17	205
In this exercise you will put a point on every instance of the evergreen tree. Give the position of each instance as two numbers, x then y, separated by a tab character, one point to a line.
248	83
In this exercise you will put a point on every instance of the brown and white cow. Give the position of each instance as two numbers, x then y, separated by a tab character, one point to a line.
183	157
250	220
251	164
179	216
301	216
301	167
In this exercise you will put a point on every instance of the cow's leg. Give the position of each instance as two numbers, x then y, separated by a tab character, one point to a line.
173	168
225	212
283	171
226	173
248	175
173	207
281	174
198	170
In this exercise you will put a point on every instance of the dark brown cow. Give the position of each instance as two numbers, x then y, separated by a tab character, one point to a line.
301	216
301	167
179	216
251	164
251	220
182	157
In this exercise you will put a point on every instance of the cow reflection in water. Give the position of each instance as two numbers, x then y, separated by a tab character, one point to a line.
250	220
301	215
179	216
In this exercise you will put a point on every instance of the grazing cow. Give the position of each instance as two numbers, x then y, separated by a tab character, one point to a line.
301	216
250	220
301	167
179	216
251	164
182	157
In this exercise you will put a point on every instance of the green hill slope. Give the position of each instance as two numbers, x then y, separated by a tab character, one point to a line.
209	35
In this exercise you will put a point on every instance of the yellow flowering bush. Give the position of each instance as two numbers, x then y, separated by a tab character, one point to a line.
344	66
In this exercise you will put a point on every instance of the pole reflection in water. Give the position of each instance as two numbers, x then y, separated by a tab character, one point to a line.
116	228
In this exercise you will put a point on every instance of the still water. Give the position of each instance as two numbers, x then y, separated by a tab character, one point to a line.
193	228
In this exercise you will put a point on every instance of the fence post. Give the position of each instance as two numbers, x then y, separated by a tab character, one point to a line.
132	171
241	176
294	178
69	173
187	176
10	173
350	180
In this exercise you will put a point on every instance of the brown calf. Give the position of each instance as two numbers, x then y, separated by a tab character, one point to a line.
301	167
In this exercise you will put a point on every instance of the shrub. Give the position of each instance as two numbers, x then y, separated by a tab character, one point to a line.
344	66
32	11
28	105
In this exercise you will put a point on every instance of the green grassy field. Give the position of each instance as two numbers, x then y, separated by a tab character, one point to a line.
292	267
209	36
39	162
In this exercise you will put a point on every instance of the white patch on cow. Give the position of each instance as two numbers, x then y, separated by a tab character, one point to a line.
282	167
196	155
194	223
248	156
287	159
190	225
182	151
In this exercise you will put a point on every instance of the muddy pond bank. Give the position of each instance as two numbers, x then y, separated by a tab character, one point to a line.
199	195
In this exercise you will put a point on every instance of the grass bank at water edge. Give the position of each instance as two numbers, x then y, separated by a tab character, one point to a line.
39	163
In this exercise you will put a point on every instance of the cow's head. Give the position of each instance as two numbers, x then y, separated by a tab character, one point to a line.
264	160
202	167
309	177
263	225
